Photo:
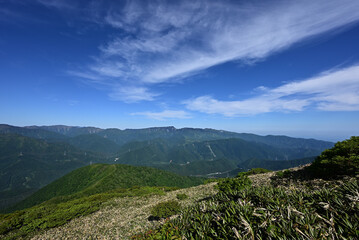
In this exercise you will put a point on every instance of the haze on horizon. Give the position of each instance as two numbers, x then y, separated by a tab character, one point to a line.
264	67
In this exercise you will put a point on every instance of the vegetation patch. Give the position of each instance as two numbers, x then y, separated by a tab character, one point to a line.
283	174
181	196
166	209
342	159
234	184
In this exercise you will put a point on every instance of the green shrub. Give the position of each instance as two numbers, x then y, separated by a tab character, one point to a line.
234	184
342	159
181	196
166	209
279	174
283	174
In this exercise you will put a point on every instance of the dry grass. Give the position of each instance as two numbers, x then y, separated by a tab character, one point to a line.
122	217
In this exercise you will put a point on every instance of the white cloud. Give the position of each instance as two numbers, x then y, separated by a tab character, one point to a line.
336	90
130	94
164	115
172	40
86	75
263	104
160	41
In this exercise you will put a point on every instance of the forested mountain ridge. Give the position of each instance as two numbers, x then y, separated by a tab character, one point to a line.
31	157
236	150
173	135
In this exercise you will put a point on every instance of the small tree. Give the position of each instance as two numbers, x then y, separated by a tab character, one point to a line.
343	158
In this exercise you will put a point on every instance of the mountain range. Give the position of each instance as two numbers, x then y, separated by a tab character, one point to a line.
31	157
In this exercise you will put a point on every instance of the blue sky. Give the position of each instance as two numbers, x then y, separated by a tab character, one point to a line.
265	67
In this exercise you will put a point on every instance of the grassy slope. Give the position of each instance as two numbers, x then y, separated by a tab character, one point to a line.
120	218
123	217
290	208
59	211
98	178
84	191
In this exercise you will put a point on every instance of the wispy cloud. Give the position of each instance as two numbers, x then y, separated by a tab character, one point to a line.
161	41
335	90
131	94
58	4
191	36
164	115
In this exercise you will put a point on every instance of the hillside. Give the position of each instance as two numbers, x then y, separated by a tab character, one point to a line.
27	164
94	143
126	217
225	168
214	156
46	153
119	217
84	191
99	178
293	204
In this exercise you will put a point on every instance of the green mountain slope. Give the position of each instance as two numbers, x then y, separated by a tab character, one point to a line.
287	142
27	164
200	168
94	143
198	135
48	152
99	178
162	154
171	135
